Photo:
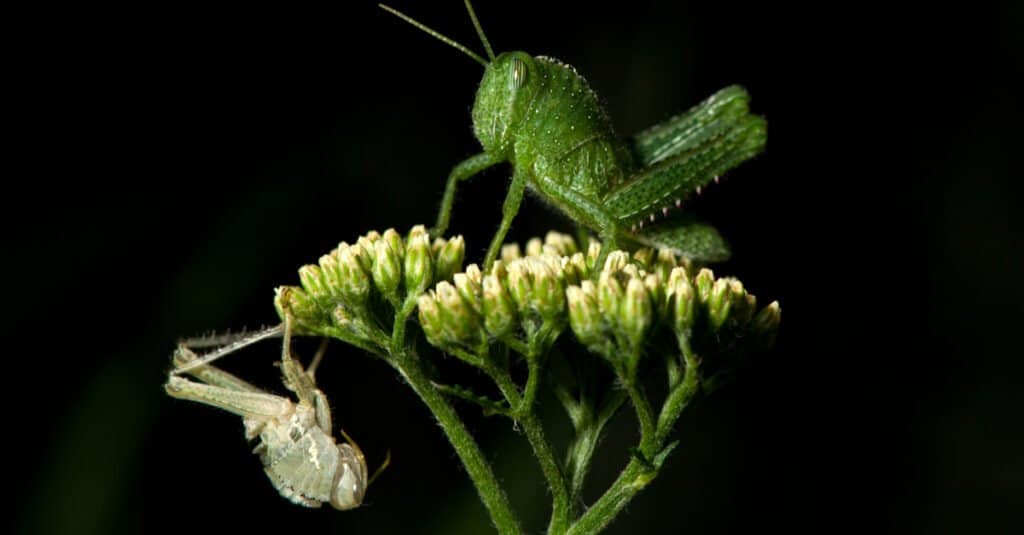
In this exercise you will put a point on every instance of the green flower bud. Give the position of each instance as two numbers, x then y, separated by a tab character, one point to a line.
616	261
332	277
664	263
312	279
498	309
534	247
450	258
575	269
659	299
643	257
635	313
459	321
469	287
548	288
682	300
395	241
562	244
519	285
362	252
584	316
743	304
387	268
298	303
720	303
766	323
702	283
593	252
419	263
430	318
510	252
609	295
354	282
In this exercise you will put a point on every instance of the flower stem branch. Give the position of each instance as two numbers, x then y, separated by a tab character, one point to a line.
465	446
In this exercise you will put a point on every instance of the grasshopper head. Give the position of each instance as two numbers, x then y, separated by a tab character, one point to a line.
509	84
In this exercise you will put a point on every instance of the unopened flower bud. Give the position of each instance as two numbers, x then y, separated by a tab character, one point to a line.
593	252
703	282
510	252
430	318
615	261
387	268
498	308
332	278
458	319
575	269
534	247
548	289
354	282
720	303
470	288
682	300
635	312
562	244
419	263
584	316
312	279
395	241
609	294
766	323
519	285
450	258
659	300
290	300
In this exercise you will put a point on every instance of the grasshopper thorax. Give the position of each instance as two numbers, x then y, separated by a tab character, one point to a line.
510	82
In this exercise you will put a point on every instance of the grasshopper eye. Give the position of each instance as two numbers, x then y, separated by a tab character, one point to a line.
518	73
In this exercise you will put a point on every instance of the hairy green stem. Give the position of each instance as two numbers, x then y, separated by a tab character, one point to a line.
522	409
632	480
645	415
680	396
465	446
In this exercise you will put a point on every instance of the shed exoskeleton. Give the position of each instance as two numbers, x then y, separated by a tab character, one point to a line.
298	452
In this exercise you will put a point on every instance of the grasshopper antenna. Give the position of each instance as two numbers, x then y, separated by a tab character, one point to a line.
476	57
479	30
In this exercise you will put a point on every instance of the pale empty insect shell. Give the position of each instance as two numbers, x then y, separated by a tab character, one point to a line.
301	458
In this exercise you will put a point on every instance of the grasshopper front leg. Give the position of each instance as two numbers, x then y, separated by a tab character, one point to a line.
465	170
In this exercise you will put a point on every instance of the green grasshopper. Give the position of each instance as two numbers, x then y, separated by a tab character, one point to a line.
538	114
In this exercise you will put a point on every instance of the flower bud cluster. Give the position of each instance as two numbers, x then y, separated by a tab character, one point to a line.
348	291
634	295
521	296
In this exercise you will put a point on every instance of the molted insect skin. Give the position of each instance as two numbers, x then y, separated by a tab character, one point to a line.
307	466
299	455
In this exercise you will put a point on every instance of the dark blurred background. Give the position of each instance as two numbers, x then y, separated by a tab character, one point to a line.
182	160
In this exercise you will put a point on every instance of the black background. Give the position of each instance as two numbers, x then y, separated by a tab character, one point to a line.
173	163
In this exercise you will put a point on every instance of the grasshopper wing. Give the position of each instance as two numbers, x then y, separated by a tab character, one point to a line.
691	128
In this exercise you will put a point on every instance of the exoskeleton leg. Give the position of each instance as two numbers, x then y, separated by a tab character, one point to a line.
245	403
463	171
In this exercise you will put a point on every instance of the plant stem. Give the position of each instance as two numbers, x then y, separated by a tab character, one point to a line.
465	446
645	415
680	396
632	480
637	474
522	409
